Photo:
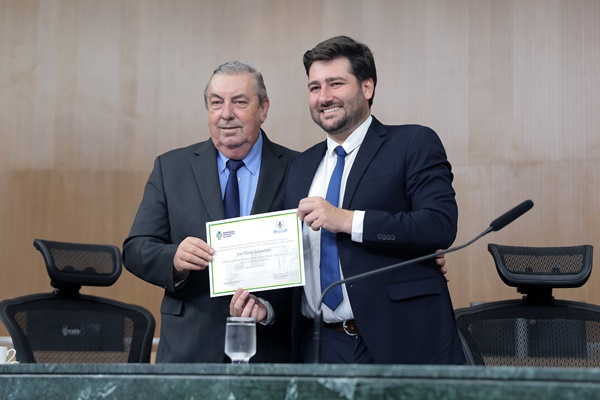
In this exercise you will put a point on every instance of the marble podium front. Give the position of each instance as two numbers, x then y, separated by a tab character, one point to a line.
293	382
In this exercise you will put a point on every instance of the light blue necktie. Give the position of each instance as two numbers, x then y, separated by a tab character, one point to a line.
330	271
231	200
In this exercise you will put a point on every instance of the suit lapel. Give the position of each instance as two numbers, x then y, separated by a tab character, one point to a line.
207	179
272	173
374	139
310	166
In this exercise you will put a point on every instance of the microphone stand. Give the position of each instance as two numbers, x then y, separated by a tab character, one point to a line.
495	225
319	313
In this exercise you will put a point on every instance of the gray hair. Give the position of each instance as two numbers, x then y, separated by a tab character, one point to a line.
239	68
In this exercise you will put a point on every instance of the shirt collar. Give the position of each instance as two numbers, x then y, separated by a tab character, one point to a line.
252	159
353	141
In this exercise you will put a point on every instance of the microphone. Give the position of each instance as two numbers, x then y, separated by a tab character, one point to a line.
495	226
511	215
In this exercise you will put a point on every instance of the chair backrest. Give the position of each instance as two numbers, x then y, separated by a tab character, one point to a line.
535	271
536	330
72	265
68	327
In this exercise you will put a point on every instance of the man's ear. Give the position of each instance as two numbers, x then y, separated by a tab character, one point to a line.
368	88
264	110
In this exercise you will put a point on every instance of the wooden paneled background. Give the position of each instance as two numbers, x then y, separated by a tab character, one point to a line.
92	91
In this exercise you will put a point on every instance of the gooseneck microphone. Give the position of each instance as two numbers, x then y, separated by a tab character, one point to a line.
510	215
495	226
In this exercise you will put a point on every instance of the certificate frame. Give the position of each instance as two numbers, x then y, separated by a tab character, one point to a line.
256	252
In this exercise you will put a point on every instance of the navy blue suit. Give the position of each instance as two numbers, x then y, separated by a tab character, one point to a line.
402	179
181	195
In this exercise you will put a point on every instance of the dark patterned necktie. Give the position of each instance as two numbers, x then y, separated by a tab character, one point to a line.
232	190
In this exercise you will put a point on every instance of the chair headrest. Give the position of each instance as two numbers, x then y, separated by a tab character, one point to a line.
72	265
548	267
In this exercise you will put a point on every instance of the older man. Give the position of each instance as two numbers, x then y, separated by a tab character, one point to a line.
167	243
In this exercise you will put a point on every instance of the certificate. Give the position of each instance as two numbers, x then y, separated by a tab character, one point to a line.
257	252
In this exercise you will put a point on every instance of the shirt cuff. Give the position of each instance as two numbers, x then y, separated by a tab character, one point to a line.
270	313
357	226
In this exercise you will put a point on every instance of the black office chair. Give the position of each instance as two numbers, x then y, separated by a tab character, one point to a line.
68	327
537	330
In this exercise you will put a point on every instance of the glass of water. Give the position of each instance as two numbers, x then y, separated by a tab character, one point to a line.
240	339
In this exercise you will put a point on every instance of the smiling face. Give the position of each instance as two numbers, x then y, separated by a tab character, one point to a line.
235	114
338	102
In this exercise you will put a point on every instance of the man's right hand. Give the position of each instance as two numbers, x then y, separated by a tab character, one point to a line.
193	254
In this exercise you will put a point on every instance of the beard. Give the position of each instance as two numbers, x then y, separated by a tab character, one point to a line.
353	113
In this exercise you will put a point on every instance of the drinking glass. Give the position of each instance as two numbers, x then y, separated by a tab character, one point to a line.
240	339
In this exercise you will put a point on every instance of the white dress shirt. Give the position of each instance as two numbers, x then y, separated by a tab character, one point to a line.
312	239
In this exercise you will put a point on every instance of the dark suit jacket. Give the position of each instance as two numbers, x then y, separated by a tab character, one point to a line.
181	195
402	180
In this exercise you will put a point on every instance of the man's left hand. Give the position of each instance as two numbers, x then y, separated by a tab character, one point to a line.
244	304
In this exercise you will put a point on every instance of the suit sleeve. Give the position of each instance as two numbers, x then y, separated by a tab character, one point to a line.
148	252
420	212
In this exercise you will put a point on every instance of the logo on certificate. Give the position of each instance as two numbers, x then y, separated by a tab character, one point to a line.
224	235
280	227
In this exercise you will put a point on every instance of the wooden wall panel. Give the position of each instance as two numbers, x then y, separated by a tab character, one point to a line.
91	92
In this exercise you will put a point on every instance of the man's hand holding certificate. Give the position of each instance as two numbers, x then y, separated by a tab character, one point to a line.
257	252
